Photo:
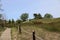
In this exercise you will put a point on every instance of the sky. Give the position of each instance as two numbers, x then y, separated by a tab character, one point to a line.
14	8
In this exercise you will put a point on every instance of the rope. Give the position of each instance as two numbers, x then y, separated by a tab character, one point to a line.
26	31
38	37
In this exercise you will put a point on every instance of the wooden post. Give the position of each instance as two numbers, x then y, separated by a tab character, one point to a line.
19	29
34	35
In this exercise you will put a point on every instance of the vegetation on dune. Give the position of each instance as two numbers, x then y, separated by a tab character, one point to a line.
47	22
41	25
14	33
40	32
1	30
50	26
37	16
24	16
47	15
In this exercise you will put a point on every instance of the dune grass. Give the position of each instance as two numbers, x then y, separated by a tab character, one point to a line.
1	30
47	29
40	32
13	33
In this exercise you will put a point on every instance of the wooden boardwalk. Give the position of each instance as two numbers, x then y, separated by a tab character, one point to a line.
6	35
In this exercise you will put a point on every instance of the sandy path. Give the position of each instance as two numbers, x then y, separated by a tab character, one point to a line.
6	35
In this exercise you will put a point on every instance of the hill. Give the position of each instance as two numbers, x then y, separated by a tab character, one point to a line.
45	29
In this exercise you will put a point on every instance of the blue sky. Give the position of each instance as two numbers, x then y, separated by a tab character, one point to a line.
14	8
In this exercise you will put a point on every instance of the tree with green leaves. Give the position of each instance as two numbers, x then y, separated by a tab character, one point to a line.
24	16
18	21
47	15
9	21
37	16
13	21
0	16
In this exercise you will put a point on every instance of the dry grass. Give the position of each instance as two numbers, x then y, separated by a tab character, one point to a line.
14	33
1	30
49	29
42	33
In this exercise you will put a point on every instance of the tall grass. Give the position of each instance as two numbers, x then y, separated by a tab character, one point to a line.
14	33
1	30
48	24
